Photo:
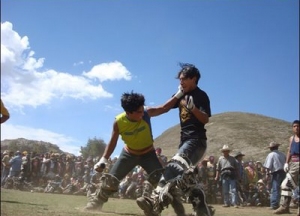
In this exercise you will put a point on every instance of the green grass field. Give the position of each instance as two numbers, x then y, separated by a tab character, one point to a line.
19	203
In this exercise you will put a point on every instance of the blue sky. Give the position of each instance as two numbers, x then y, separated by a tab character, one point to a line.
65	64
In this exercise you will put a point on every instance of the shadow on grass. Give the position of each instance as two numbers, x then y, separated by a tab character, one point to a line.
16	202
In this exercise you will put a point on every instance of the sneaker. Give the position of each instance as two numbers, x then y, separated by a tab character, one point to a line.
273	208
235	206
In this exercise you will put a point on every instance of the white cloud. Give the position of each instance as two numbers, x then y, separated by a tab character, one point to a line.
108	71
65	143
78	63
24	82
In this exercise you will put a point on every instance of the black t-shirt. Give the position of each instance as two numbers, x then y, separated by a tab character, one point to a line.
191	127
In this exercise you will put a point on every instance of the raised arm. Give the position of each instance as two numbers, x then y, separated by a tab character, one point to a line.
155	111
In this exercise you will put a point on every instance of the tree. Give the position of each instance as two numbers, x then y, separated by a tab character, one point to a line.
94	148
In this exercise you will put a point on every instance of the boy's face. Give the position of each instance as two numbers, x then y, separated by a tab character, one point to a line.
187	84
296	128
136	115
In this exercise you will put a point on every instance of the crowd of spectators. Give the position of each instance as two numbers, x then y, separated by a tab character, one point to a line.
69	174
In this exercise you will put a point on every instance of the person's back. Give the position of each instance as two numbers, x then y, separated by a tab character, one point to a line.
275	164
15	163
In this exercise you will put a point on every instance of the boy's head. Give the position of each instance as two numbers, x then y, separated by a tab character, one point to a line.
296	127
132	102
189	71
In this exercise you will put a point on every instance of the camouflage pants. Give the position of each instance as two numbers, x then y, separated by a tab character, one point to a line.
107	186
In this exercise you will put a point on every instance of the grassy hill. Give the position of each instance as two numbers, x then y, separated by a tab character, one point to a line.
22	144
245	132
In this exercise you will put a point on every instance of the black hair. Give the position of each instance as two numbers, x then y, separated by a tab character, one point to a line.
189	71
132	101
296	122
274	148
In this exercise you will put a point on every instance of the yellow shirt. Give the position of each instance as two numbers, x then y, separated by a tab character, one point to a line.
136	135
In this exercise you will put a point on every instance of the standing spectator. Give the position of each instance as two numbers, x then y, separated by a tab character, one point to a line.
44	168
241	197
202	173
26	166
51	164
35	172
15	164
5	165
78	166
227	168
291	167
70	165
274	163
61	166
4	113
211	183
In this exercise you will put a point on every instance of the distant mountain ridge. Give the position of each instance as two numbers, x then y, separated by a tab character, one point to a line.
246	132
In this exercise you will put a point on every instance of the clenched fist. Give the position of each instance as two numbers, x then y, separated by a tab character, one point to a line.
100	165
179	93
190	103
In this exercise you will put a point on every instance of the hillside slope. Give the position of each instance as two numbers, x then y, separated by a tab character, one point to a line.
246	132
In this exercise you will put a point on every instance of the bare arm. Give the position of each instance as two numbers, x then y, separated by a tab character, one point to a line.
113	141
155	111
217	175
288	155
200	115
217	171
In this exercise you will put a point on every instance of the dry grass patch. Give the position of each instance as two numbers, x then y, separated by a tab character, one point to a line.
18	203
